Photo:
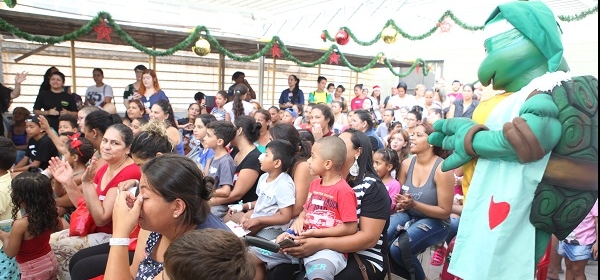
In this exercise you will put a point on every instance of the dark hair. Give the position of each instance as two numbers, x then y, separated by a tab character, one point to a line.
365	161
69	118
471	86
223	130
300	147
365	116
237	74
320	78
140	105
140	67
282	150
100	120
417	114
238	105
221	253
307	136
330	85
300	109
327	114
84	152
141	120
418	108
274	107
185	182
46	83
223	94
8	153
35	191
151	140
99	70
456	81
296	88
199	96
402	85
207	118
166	107
360	86
391	157
250	127
437	111
342	87
264	113
438	151
67	133
60	74
125	131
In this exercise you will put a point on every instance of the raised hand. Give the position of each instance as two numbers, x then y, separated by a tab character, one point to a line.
90	171
61	170
20	77
44	123
450	135
126	213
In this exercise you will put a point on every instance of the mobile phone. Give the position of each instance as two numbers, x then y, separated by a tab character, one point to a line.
134	188
287	243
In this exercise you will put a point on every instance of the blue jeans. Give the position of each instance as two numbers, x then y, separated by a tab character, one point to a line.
422	233
454	221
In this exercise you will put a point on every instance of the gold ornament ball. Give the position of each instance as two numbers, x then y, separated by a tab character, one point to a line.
389	35
202	47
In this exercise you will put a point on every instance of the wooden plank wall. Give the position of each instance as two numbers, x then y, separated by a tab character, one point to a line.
180	75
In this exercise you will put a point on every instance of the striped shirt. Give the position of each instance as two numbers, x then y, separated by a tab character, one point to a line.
374	202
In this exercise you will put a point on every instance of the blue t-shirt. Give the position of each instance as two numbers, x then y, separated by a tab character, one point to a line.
148	102
288	96
204	156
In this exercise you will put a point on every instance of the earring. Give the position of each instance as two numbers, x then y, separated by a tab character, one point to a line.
175	216
354	168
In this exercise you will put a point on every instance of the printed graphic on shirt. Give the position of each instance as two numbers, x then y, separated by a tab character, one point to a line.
321	211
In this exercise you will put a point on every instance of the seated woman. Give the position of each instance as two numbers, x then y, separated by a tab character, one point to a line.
98	189
163	111
172	201
368	245
425	201
363	121
247	168
151	142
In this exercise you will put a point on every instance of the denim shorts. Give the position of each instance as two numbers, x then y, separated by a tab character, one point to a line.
575	252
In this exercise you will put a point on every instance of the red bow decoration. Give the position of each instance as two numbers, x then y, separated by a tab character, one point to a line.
76	143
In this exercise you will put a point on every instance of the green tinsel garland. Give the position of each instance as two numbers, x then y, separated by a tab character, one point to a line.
430	32
10	3
204	32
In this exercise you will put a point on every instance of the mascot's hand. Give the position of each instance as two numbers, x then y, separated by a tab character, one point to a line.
450	135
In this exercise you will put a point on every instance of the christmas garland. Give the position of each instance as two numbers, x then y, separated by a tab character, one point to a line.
205	33
448	14
10	3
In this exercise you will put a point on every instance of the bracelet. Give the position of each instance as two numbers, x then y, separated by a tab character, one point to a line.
119	242
249	205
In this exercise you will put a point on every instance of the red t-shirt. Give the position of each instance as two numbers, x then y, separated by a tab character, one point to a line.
131	171
34	248
329	206
357	103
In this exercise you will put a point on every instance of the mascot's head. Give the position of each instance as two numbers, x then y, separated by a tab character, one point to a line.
522	43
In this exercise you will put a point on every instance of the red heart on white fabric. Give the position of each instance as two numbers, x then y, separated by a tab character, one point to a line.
497	212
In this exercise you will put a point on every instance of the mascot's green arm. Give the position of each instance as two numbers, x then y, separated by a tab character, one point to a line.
527	138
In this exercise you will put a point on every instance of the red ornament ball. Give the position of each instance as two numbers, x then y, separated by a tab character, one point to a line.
323	36
342	37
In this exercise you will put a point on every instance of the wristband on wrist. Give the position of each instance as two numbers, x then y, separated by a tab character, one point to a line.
249	205
119	242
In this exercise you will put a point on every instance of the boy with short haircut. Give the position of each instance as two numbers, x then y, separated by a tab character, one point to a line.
221	253
67	123
329	211
39	148
289	116
272	211
8	155
222	167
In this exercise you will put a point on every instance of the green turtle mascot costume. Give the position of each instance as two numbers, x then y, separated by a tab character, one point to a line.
530	155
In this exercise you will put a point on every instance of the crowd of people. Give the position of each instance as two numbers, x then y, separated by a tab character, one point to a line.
334	181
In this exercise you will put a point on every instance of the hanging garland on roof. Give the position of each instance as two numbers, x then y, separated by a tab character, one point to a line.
104	19
442	24
10	3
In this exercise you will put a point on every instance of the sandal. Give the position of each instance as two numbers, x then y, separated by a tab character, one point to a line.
438	256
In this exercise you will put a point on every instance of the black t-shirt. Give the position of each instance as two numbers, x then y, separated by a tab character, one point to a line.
4	101
47	100
249	162
185	132
41	150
